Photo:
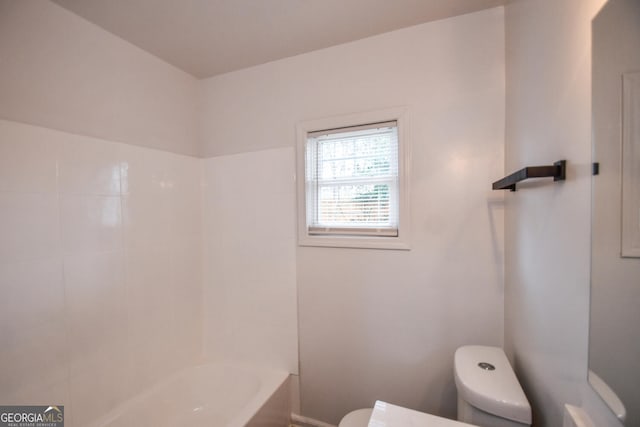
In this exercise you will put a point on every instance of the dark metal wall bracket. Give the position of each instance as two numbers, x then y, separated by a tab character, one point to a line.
557	171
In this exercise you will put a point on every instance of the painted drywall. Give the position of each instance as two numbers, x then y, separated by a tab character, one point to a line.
62	72
100	269
614	293
250	259
547	225
380	324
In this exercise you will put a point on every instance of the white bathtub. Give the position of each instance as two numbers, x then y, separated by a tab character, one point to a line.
213	395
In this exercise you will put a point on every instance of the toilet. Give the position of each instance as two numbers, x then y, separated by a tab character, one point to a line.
489	394
357	418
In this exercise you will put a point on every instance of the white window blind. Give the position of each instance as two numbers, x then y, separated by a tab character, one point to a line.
352	180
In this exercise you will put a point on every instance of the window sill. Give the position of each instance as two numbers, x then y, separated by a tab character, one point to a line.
354	242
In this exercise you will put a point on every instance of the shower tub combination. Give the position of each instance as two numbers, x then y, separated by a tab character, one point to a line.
211	395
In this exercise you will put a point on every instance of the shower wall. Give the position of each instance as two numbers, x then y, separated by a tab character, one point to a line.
250	259
100	241
100	268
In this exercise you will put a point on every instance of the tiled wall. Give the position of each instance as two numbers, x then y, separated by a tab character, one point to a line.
250	259
100	268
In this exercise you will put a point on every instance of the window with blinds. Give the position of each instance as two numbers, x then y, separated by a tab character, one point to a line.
351	181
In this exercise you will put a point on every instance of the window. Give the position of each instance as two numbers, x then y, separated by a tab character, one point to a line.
352	180
353	187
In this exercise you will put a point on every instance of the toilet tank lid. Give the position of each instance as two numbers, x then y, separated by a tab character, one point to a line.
496	391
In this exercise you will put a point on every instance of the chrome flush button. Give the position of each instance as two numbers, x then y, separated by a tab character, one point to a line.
486	366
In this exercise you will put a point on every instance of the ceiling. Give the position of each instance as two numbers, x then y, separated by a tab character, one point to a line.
210	37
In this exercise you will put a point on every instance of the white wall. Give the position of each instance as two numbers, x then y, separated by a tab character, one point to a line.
62	72
384	324
100	269
250	260
547	225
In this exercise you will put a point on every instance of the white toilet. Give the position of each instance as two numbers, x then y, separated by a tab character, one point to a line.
489	394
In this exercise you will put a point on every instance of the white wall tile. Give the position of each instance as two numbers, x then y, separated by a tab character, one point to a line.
147	219
29	226
91	223
100	386
86	323
42	392
89	166
250	286
35	283
185	174
35	351
150	315
143	170
185	216
187	305
276	215
149	289
97	333
264	345
95	305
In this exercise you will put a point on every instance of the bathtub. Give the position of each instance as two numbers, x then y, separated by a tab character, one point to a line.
212	395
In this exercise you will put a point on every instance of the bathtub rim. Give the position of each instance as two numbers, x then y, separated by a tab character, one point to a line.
270	381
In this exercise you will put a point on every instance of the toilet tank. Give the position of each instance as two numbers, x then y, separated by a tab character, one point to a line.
489	394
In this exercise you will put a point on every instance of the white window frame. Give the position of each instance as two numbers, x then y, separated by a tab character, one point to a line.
401	241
